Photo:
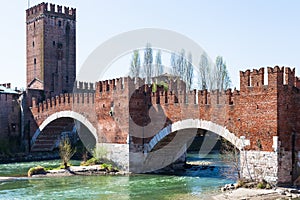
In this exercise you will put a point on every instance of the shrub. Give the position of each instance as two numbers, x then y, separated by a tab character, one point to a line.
240	183
57	168
261	185
108	167
66	151
91	161
100	153
268	186
36	170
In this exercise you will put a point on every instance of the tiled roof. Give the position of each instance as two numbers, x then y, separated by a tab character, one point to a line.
7	90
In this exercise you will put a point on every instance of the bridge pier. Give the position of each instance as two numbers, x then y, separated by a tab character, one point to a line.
117	153
274	167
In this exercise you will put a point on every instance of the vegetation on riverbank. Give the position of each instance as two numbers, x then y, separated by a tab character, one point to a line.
98	163
36	170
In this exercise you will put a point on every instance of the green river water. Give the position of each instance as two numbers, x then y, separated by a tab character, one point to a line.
194	183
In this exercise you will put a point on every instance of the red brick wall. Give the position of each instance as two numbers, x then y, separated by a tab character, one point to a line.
10	114
258	112
51	41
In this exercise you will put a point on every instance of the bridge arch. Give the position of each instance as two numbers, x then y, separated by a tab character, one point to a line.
199	124
65	114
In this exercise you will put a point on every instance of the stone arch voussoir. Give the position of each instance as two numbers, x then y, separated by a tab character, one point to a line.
61	114
196	123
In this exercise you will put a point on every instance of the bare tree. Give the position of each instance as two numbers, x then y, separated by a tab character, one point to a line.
148	60
173	63
213	77
135	64
221	75
183	67
230	155
158	64
204	72
189	72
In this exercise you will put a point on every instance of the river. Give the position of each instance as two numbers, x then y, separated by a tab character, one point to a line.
194	183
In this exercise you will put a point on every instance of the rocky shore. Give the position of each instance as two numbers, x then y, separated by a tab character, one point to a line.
232	193
258	194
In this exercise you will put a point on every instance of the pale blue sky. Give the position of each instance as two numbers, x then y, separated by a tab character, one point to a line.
248	34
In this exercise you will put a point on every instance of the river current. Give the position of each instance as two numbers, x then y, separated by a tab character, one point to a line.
194	183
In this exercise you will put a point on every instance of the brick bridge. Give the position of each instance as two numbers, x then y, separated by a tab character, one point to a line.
147	127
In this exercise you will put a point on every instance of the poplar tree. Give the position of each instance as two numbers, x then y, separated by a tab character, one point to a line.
135	64
148	67
158	64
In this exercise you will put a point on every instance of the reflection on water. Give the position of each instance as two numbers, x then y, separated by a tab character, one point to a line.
195	183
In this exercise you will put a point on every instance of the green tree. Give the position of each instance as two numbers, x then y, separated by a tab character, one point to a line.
66	151
135	64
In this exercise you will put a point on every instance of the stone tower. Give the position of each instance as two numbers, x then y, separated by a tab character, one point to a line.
51	48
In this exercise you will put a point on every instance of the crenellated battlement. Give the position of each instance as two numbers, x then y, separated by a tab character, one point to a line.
52	9
83	87
216	97
290	76
7	85
297	82
277	76
110	85
257	77
63	102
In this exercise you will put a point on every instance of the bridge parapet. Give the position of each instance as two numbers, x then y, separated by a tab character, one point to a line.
83	87
216	97
112	85
277	77
67	101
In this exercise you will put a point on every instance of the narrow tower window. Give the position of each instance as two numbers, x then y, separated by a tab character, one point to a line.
33	44
53	43
34	67
59	23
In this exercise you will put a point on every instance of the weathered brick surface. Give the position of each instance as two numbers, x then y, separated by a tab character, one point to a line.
10	122
257	112
51	48
10	115
124	110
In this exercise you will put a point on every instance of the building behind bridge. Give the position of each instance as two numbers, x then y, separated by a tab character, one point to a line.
10	120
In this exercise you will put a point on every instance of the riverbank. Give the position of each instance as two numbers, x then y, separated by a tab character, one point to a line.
194	183
258	194
29	157
80	170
